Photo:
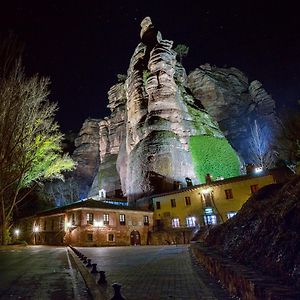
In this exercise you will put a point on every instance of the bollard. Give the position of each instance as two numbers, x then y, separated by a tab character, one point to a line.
88	265
83	257
94	269
117	290
102	279
85	260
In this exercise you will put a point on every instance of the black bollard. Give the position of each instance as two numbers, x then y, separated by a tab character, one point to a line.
85	260
117	290
89	265
83	257
102	279
94	269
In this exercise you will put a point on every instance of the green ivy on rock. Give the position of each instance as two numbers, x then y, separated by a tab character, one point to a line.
214	156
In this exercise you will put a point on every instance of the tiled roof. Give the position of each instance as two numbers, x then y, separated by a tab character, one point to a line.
213	183
89	203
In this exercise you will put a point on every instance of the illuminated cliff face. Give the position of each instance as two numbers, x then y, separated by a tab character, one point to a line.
144	144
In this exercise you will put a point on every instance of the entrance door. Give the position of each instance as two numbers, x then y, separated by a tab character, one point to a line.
135	238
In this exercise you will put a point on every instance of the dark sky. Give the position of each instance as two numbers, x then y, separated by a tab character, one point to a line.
83	45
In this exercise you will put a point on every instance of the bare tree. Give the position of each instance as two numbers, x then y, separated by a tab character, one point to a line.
30	139
261	152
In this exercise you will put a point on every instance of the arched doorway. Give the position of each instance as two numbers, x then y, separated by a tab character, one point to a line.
135	238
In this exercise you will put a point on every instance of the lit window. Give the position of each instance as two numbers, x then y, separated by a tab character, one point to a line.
146	220
111	237
254	188
175	223
173	202
210	219
106	219
89	237
190	221
73	219
122	219
157	205
228	194
231	214
187	201
90	218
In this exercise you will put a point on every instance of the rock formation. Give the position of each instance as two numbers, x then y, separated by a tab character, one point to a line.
159	117
144	144
86	156
233	102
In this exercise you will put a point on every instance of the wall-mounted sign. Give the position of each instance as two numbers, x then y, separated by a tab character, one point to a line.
208	210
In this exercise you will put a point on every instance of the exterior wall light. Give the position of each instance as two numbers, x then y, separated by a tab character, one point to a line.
97	223
258	170
68	225
206	191
36	229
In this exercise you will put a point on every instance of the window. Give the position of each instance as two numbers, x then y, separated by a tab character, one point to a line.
111	237
228	194
231	214
89	237
146	220
90	218
122	219
190	221
45	225
173	202
157	205
106	219
61	223
187	201
210	219
175	223
73	219
254	188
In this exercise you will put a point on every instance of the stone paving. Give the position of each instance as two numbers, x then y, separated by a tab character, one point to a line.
39	272
154	272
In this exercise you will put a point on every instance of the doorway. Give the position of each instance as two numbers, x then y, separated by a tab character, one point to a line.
135	238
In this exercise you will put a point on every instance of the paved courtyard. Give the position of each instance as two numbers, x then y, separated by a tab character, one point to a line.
39	272
154	272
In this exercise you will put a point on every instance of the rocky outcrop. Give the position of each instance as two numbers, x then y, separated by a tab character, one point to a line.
233	103
145	144
86	155
111	136
265	233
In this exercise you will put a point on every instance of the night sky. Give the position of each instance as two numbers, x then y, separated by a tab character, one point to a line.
83	45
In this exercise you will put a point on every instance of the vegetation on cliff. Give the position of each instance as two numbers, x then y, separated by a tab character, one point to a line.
214	156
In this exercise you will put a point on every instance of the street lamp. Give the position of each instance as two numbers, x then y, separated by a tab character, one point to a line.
17	232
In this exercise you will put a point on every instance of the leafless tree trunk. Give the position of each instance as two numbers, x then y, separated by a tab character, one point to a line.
262	154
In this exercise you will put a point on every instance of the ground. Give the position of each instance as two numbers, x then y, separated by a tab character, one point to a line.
145	272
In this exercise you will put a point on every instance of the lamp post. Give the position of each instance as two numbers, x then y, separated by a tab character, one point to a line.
17	232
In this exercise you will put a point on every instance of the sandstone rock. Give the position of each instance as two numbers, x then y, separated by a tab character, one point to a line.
144	143
86	155
233	103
